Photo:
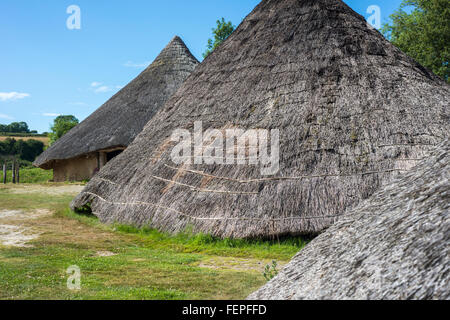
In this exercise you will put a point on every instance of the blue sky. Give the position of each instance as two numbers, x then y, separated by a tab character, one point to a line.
47	69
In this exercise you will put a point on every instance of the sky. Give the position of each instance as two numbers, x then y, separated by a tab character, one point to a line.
48	69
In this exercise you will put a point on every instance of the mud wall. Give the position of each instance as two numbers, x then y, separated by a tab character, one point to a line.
76	169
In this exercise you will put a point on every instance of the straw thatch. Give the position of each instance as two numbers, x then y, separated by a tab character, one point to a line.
122	118
353	112
393	246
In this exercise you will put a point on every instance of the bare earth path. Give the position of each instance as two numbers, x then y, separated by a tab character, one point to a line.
70	189
13	231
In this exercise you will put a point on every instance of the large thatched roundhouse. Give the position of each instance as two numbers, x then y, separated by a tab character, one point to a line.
352	111
393	246
85	149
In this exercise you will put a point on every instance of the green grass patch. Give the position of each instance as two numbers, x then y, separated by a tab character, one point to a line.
134	273
85	218
31	175
282	249
32	201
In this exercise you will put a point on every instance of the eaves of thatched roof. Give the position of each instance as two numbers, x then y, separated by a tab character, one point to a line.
393	246
121	118
352	110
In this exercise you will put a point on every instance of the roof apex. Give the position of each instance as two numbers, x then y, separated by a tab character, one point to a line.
175	49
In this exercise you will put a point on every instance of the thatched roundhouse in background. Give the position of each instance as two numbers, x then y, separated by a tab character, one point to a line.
84	150
352	110
393	246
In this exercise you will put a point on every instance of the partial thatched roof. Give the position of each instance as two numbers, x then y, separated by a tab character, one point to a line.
353	112
393	246
122	118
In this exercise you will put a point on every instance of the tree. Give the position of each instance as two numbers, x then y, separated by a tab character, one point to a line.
221	33
8	146
424	33
23	127
24	150
61	125
30	149
14	127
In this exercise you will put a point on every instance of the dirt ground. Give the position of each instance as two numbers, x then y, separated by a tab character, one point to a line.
12	229
44	189
15	227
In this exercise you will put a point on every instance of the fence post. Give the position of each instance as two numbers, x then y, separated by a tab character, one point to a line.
18	173
14	171
4	172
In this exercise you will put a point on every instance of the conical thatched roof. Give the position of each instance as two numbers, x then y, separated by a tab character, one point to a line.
353	112
393	246
122	118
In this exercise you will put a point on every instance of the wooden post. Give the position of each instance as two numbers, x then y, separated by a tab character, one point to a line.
4	172
18	173
14	171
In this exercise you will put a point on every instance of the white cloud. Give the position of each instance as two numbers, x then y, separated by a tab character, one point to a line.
81	104
5	116
131	64
99	87
51	114
95	84
103	89
5	96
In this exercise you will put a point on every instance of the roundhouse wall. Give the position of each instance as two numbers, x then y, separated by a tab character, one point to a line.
76	169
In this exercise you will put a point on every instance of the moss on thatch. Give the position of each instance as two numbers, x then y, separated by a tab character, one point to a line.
353	112
393	246
122	118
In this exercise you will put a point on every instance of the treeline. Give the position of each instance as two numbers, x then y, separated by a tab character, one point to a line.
20	149
16	127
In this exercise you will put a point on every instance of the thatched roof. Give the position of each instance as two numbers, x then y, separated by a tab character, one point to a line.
353	112
121	118
393	246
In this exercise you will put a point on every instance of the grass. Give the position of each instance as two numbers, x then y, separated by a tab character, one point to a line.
31	175
31	201
282	249
143	263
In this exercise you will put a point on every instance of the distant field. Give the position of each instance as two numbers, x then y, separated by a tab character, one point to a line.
45	140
